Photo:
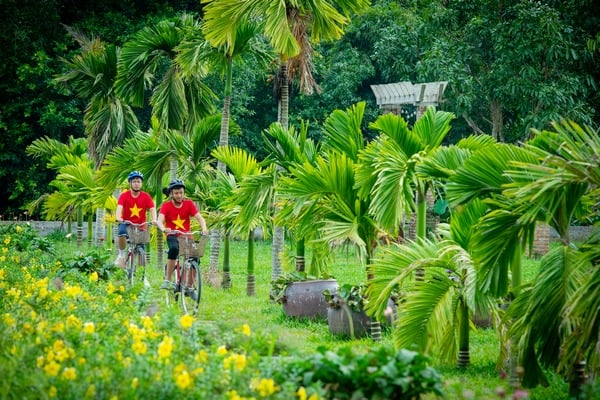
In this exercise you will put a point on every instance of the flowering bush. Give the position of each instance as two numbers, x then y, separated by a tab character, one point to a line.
77	336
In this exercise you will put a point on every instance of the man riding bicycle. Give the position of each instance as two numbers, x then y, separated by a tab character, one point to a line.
132	207
175	214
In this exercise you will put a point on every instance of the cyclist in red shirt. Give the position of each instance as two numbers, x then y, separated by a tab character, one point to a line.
132	206
175	214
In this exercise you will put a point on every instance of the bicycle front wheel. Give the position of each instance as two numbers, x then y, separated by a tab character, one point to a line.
130	268
171	295
191	287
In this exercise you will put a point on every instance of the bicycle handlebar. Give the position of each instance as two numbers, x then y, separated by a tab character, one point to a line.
175	232
134	224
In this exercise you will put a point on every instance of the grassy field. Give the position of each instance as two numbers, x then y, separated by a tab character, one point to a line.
233	307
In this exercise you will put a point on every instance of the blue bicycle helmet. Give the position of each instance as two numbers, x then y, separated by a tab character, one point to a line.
175	184
135	174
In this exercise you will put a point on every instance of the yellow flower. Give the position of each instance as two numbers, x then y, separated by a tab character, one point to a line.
246	329
7	240
147	322
94	277
186	321
89	328
90	393
314	396
233	395
69	374
73	322
222	350
165	347
2	273
183	380
139	347
52	392
52	368
9	320
73	291
19	228
238	361
265	387
135	382
201	356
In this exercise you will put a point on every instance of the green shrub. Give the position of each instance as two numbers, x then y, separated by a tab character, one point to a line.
379	373
93	260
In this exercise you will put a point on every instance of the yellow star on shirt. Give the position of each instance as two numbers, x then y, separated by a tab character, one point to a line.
179	223
135	211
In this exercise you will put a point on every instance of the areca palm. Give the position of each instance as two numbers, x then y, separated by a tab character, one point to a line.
246	203
556	314
290	26
387	168
435	314
76	191
148	61
108	120
194	51
289	148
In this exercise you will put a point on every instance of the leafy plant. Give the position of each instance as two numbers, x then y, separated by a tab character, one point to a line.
351	295
379	373
95	260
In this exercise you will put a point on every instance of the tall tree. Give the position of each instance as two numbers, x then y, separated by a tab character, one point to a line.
194	52
290	26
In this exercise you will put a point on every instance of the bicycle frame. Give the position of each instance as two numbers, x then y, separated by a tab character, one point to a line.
137	238
188	282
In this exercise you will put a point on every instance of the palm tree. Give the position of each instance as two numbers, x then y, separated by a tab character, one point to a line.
556	314
76	192
435	313
290	27
387	168
289	148
246	204
108	120
195	51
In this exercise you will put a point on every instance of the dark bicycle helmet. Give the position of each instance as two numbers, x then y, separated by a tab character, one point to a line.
135	174
175	184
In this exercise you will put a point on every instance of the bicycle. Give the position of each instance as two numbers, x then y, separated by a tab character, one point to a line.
138	236
187	288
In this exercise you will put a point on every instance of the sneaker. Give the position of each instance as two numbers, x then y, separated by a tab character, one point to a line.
191	293
120	262
166	285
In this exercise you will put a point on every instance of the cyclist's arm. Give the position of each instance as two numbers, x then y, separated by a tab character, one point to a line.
119	213
202	222
160	223
153	215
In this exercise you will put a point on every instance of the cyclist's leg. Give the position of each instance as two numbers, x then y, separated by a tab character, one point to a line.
172	256
122	246
192	286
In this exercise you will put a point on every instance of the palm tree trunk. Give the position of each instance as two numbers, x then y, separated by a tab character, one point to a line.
251	282
79	227
300	255
278	231
90	229
226	284
99	234
464	357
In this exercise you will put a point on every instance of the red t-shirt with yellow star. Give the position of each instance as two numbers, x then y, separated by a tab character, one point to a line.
134	208
178	218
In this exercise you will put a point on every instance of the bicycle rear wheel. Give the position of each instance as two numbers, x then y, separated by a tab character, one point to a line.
191	287
140	269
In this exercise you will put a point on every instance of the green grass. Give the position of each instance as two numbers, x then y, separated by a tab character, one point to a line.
232	308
